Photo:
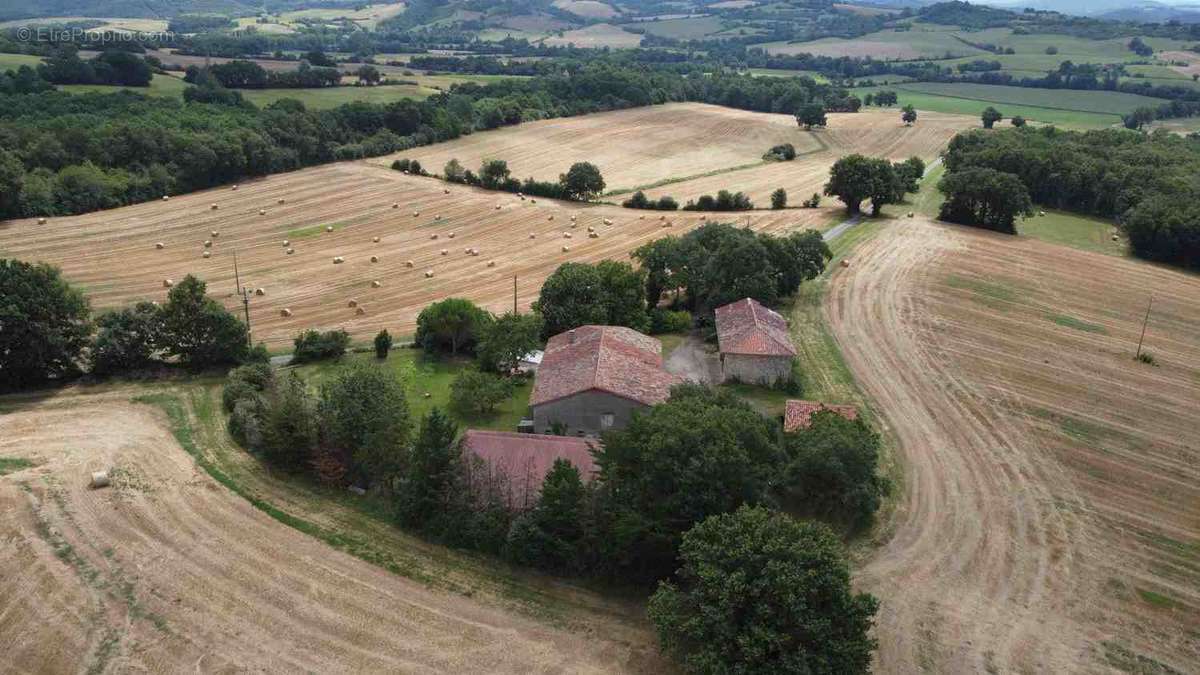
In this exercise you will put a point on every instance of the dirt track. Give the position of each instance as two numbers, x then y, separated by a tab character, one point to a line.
168	571
1050	481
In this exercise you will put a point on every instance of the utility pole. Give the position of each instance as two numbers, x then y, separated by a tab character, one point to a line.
245	293
1145	321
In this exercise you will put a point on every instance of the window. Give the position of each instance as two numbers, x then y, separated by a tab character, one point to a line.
606	421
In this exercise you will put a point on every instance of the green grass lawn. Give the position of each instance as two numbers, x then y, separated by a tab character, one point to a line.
1071	109
14	61
332	97
161	85
1070	229
682	29
427	382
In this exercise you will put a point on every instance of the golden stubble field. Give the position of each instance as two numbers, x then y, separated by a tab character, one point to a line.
1050	513
695	148
112	255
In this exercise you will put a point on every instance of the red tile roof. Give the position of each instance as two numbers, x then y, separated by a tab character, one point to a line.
525	459
617	360
798	414
746	327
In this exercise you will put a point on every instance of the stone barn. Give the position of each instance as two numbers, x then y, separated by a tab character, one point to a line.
593	379
797	415
754	343
519	462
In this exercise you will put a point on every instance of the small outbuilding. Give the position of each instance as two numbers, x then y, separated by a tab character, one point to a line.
797	415
754	343
518	463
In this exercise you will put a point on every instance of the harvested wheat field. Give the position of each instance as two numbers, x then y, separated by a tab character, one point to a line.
875	133
1050	513
633	148
168	571
114	255
691	149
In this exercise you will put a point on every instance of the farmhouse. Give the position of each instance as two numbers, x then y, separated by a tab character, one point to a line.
593	379
798	414
520	462
754	343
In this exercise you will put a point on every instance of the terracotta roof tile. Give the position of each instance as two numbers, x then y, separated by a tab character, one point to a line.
747	327
798	414
614	359
525	459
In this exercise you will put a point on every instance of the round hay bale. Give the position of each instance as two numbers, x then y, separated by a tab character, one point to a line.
214	207
451	235
374	258
235	186
376	284
467	251
445	251
445	191
329	228
291	251
416	214
551	217
573	216
845	263
491	263
1041	213
286	243
475	252
566	248
352	304
375	239
1116	238
338	260
99	480
662	217
206	254
360	311
41	221
608	221
408	263
532	235
281	200
262	212
166	198
285	312
208	243
593	235
910	214
497	207
428	274
260	292
395	205
214	234
437	217
566	235
167	283
642	217
667	223
160	246
532	201
591	229
433	236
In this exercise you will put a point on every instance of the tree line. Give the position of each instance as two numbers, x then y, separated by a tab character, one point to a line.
48	334
239	74
1146	182
64	154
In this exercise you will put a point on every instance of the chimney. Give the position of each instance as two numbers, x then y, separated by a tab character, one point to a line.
571	336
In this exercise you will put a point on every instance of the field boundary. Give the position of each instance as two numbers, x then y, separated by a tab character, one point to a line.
992	100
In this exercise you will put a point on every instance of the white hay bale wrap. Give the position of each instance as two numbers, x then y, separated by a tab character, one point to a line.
100	479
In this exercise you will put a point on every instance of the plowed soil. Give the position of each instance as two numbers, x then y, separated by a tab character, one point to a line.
1050	514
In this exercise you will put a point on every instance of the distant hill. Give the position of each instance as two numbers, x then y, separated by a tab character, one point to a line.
155	9
1154	12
